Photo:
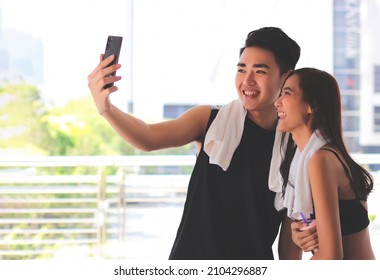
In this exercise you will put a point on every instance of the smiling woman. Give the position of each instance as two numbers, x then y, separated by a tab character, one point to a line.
294	114
320	178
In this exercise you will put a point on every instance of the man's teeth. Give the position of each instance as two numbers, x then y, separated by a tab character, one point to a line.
250	92
281	115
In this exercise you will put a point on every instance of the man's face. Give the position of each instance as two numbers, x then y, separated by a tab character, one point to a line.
258	81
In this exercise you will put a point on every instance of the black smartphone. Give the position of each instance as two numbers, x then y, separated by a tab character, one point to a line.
113	46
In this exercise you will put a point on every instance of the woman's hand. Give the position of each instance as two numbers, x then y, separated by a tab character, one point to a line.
305	236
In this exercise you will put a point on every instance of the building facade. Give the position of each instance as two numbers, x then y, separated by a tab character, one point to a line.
357	69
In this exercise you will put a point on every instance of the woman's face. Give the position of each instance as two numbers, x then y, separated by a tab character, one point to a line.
293	113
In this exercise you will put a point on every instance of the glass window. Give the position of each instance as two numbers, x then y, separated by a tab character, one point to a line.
377	128
376	118
173	111
339	18
350	123
377	78
348	81
339	40
350	102
377	110
341	61
347	41
347	4
352	144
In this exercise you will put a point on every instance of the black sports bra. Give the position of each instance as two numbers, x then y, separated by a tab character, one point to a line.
353	215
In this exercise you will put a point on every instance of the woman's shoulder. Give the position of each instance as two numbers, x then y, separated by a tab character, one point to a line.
329	164
326	158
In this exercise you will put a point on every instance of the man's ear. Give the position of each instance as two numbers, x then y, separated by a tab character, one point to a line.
309	110
286	75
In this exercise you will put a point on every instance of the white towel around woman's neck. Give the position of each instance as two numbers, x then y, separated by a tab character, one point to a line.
224	133
297	199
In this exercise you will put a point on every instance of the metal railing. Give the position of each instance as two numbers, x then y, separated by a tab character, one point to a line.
48	204
42	214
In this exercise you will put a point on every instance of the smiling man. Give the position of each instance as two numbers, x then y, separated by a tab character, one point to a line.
229	211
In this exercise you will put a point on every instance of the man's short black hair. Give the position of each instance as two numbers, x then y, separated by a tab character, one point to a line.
286	51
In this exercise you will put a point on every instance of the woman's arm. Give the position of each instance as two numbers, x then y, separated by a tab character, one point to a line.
323	176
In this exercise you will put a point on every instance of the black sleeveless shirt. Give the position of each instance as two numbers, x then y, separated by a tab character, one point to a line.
230	214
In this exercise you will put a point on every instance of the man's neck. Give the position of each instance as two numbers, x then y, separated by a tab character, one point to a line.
266	120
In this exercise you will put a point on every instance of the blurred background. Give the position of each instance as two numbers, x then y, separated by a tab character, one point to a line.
70	186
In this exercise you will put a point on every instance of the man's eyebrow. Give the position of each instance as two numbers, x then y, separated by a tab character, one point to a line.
259	65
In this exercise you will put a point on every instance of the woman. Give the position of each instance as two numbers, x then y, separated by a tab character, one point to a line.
309	108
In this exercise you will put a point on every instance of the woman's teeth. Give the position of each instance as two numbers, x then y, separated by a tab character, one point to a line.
281	115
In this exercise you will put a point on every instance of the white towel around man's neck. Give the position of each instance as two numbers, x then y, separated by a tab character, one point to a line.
297	199
224	133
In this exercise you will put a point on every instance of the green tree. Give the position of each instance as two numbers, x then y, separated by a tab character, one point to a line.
21	119
88	133
28	125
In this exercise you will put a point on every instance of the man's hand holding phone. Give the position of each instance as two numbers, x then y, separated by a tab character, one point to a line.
113	47
101	79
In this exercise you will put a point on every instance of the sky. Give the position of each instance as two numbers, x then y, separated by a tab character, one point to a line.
186	48
74	34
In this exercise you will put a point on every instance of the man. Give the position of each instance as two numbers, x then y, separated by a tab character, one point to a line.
229	211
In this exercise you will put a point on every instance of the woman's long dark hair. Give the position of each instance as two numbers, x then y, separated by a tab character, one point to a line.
321	91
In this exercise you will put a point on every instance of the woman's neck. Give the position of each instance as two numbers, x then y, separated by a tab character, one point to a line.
302	137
